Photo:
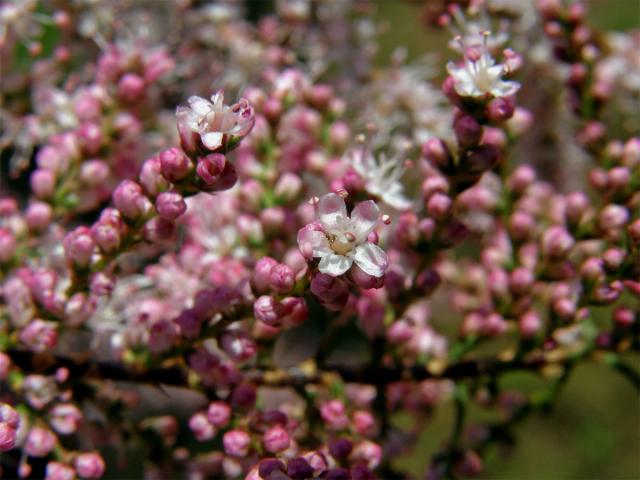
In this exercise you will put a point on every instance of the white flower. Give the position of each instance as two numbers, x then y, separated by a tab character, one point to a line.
479	74
381	176
216	122
341	240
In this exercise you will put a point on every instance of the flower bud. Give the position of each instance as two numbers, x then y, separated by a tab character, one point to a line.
334	414
281	278
268	310
7	245
89	465
201	427
79	246
468	131
40	335
332	291
482	158
340	448
613	217
151	178
299	469
7	437
556	242
437	152
276	439
219	414
271	468
439	206
43	183
239	345
170	205
501	109
129	200
40	442
90	137
38	216
216	173
131	88
174	164
236	443
65	418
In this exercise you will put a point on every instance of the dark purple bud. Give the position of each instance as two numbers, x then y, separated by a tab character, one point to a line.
482	158
340	448
468	131
299	469
243	396
216	173
269	466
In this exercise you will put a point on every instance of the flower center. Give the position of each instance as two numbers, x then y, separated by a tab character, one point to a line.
343	244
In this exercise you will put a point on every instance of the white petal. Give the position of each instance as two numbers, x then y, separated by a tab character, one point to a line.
371	259
313	243
395	198
334	265
200	105
212	140
332	213
504	89
364	218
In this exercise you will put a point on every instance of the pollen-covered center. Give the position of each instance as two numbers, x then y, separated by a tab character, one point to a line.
342	244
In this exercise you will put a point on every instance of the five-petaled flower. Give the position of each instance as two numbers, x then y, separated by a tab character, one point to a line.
479	75
381	176
220	126
339	240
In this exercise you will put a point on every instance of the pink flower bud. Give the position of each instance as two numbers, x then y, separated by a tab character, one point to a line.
281	278
43	184
170	205
276	439
439	206
7	437
294	312
7	245
529	324
59	471
79	246
501	109
90	137
236	443
262	271
334	414
268	310
5	365
436	152
219	414
216	173
364	280
89	465
93	173
40	335
521	280
483	158
151	178
556	242
288	187
189	324
238	345
201	427
363	422
130	201
38	216
623	316
40	442
613	217
332	291
521	178
65	418
367	452
131	88
175	165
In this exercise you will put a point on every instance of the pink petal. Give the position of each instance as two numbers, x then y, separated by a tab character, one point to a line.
364	218
371	259
332	212
334	265
313	243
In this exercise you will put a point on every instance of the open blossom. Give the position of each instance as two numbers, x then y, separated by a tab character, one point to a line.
479	74
340	240
381	176
215	122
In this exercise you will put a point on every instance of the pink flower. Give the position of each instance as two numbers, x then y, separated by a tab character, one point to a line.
59	471
65	418
341	240
89	465
216	123
40	442
236	443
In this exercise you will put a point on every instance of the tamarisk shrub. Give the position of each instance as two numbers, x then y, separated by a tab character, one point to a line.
233	247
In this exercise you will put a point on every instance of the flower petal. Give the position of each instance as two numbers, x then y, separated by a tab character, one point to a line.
371	259
212	140
364	218
313	243
335	265
332	213
199	105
